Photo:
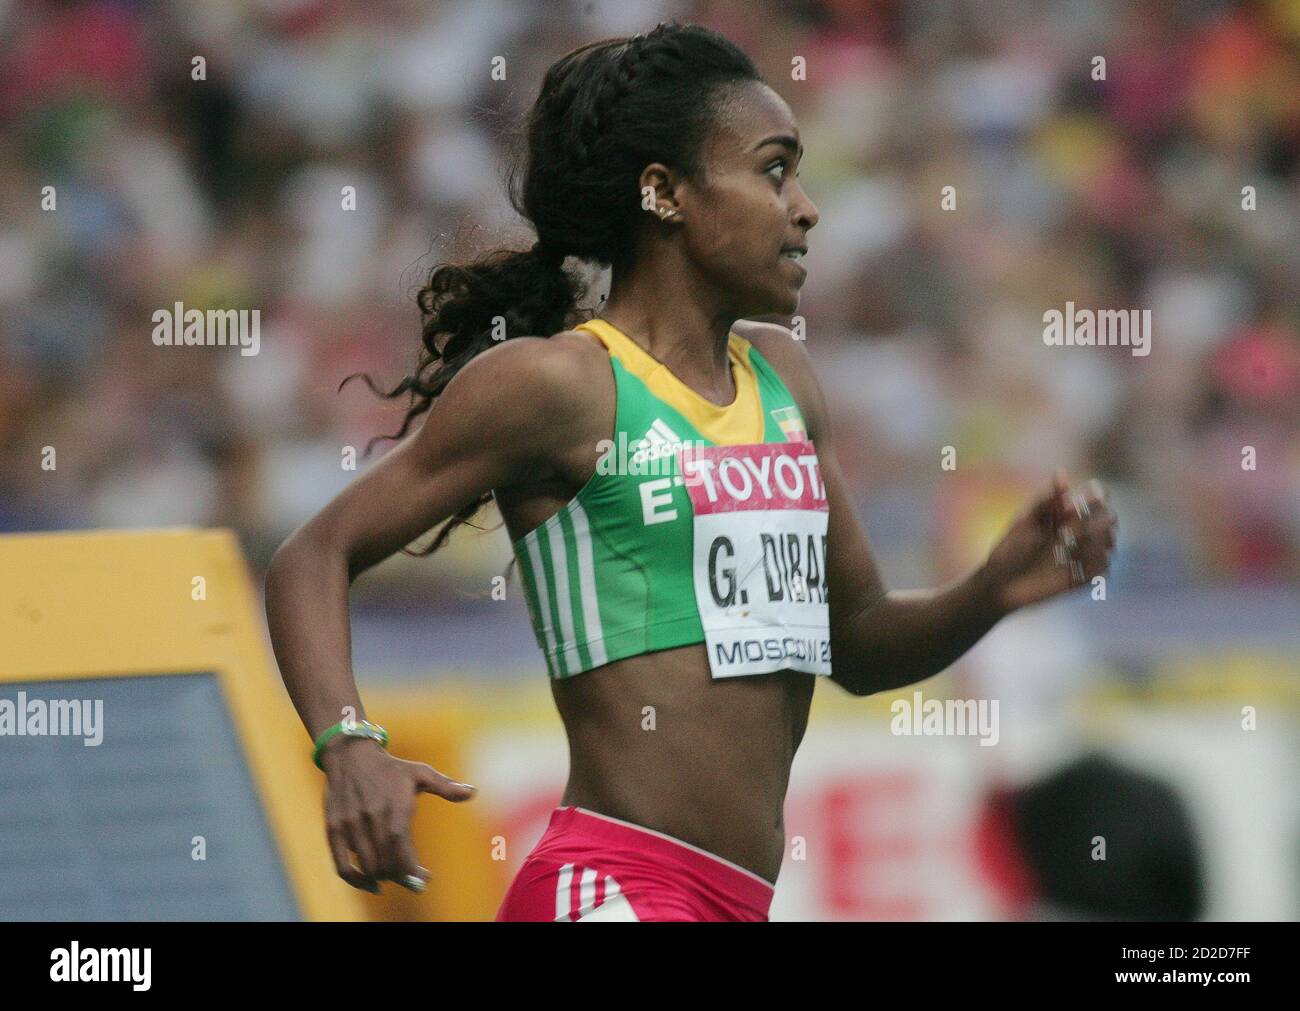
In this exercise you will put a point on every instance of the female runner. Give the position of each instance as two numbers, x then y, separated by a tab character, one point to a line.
690	555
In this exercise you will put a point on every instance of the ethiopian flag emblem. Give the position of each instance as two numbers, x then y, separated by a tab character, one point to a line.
791	423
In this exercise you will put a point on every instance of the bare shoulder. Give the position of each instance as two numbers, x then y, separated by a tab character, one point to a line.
790	358
779	346
554	376
532	402
548	367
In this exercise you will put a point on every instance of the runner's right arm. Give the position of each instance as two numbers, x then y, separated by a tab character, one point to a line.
505	417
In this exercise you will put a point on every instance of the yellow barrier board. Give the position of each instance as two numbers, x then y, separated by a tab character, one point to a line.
107	605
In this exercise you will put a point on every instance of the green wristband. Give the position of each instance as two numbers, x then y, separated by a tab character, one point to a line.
361	728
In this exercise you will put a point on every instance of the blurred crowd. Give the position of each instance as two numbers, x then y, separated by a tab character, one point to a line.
1161	176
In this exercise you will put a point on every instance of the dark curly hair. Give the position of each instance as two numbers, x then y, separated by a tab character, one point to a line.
605	111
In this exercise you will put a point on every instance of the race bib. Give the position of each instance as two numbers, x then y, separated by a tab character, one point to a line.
760	557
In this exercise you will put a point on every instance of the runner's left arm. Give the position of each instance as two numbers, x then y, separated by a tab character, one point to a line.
880	638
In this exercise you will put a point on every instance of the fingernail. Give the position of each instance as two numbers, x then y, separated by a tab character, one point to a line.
414	883
467	786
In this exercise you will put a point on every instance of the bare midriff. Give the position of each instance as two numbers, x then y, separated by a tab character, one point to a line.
656	741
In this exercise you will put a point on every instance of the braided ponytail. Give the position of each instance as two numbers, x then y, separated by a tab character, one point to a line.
605	111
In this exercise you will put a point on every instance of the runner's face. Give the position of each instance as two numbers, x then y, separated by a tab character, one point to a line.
741	221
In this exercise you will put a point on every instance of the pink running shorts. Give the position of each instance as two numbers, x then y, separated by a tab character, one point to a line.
589	866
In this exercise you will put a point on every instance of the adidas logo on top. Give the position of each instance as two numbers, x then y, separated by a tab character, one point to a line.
653	453
658	442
